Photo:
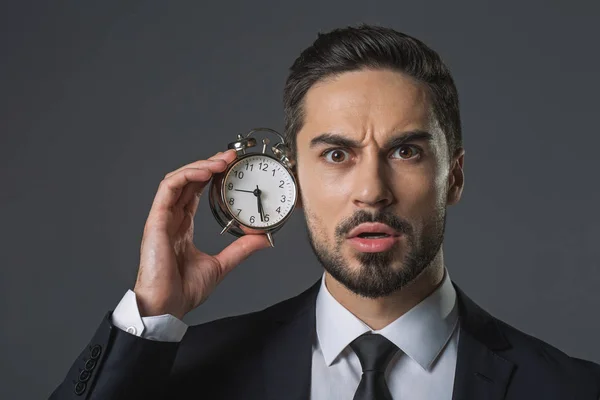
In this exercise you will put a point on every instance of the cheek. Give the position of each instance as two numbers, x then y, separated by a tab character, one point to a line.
322	188
323	197
419	194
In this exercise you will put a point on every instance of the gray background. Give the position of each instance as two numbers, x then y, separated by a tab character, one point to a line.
99	100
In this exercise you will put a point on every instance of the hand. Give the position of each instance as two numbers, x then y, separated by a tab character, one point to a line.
174	277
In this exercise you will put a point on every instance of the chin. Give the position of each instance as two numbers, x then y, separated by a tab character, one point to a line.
373	275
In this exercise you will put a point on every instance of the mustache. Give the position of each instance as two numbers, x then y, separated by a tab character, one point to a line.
382	217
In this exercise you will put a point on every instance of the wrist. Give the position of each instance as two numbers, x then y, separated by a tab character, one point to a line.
150	306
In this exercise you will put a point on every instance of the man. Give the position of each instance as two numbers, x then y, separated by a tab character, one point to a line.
372	114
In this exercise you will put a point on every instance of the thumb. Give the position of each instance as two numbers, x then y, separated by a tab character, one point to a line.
239	250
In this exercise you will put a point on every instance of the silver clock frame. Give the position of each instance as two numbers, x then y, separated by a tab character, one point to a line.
217	199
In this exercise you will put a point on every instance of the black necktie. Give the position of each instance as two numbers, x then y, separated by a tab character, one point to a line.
374	352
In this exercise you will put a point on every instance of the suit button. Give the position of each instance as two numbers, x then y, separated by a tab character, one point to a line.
84	376
79	388
96	351
90	365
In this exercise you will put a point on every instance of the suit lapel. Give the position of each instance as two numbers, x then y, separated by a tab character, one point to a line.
480	372
287	351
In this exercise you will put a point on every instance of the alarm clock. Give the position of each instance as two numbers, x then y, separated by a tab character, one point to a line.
257	192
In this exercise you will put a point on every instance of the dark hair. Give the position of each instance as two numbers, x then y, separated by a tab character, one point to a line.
373	47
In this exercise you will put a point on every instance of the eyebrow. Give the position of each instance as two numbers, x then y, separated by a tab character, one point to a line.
341	141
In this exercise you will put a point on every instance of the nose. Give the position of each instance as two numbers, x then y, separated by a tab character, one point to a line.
371	184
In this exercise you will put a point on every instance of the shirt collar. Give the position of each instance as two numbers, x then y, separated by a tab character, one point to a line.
421	333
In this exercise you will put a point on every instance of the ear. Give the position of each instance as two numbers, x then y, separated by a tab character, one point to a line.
456	177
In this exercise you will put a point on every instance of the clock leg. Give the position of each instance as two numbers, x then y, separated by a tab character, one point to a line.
270	237
226	227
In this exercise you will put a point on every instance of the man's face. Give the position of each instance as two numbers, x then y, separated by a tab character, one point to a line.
355	174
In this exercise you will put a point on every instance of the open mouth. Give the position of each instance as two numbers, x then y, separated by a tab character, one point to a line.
371	242
372	235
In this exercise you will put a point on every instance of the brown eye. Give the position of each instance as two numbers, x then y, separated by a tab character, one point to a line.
406	152
335	156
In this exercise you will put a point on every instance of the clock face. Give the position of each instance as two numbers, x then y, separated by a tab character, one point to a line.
259	191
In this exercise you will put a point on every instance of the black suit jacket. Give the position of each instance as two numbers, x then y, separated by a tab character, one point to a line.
267	355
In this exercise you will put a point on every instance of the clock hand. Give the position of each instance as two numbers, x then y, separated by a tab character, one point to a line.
258	205
260	208
240	190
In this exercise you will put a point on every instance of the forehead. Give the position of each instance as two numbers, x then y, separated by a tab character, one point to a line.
365	102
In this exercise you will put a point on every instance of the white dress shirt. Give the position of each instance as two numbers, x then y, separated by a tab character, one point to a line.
427	336
164	328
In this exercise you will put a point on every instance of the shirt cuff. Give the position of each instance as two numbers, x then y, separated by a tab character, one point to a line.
163	328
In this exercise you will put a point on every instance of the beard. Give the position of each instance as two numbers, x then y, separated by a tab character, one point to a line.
376	276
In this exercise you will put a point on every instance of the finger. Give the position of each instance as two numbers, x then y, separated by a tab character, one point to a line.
191	194
226	156
190	198
239	250
170	189
202	164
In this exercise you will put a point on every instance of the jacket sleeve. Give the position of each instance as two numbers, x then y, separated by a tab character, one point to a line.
118	365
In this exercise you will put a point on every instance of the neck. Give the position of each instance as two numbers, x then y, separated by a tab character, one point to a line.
380	312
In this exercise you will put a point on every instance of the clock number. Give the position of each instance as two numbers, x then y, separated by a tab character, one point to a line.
239	174
231	201
281	184
251	167
278	209
230	186
239	211
283	198
260	166
273	172
266	218
252	219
